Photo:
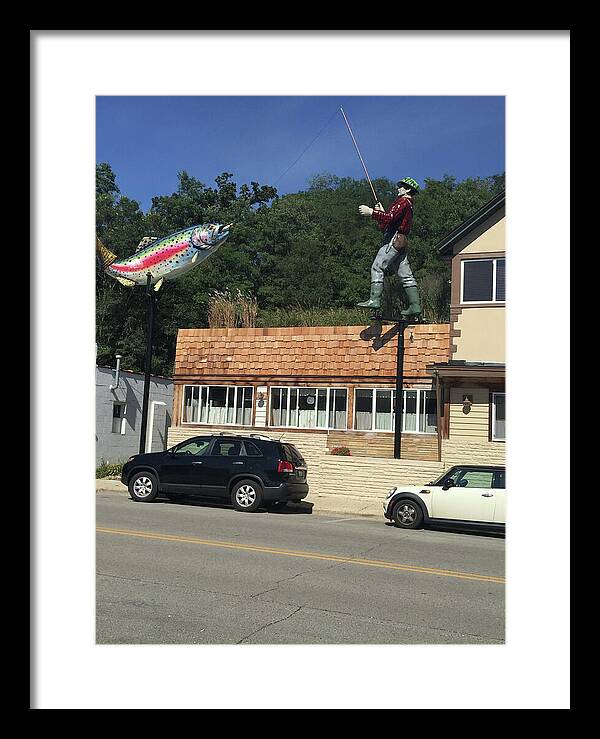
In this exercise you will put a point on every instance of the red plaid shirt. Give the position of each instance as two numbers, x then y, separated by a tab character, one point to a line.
399	216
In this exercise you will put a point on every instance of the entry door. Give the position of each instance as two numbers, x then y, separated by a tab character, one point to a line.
183	467
225	460
470	498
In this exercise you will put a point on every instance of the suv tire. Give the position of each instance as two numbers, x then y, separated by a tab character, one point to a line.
143	487
407	514
246	496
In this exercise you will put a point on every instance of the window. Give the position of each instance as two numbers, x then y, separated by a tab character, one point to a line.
309	407
499	480
483	280
195	447
227	448
374	410
472	478
218	404
498	416
118	418
252	450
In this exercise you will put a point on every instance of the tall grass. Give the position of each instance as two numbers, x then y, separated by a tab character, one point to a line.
276	317
232	311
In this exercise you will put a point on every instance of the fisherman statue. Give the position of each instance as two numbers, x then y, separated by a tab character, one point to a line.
396	223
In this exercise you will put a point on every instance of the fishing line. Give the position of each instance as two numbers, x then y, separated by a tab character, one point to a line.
307	148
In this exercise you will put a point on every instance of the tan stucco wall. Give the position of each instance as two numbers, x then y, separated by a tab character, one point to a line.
492	240
482	334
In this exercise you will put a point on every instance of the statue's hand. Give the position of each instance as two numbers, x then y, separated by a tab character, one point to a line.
364	210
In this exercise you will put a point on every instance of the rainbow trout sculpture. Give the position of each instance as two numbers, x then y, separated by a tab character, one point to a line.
166	258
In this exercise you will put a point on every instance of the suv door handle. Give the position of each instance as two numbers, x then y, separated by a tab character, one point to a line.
237	463
197	462
487	495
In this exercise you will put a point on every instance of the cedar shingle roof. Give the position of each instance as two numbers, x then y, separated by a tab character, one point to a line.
305	350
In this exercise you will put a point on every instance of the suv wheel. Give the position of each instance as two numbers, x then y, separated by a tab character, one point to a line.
407	514
143	487
246	496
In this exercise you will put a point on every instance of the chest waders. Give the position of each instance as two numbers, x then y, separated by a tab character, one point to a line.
388	257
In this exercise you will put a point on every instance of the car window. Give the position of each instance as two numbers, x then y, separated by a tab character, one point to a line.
194	447
473	478
252	450
500	479
227	448
291	454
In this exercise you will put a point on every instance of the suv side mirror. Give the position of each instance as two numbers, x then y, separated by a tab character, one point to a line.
448	484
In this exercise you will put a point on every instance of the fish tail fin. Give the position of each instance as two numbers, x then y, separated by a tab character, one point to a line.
106	256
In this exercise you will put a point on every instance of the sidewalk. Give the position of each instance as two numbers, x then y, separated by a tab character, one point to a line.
348	505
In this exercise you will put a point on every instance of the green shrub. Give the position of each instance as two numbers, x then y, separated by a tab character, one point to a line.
109	469
341	451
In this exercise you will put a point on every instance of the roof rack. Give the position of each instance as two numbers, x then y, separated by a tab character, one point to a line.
260	436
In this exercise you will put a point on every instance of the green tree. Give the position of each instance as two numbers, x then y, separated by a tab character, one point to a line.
305	256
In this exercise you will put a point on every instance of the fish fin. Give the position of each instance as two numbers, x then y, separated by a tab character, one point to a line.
158	285
194	257
106	256
146	241
124	281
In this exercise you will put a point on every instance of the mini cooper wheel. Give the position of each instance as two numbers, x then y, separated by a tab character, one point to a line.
143	487
246	496
407	514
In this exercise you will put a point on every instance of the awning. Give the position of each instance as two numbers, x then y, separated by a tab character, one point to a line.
458	370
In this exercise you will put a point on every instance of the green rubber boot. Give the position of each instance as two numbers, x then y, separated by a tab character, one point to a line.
414	302
375	300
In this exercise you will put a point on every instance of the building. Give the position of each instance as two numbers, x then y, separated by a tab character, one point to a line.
471	382
310	380
119	413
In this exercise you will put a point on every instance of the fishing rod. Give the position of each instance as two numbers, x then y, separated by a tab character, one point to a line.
360	156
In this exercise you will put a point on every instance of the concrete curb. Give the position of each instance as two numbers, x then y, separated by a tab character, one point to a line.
338	504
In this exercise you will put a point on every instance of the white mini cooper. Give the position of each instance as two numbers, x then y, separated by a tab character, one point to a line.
465	495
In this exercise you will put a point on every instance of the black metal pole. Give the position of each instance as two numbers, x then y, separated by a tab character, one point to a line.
149	342
399	394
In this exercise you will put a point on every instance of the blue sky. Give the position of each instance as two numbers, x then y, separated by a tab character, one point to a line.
147	140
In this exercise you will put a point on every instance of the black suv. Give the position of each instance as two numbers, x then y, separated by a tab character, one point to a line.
249	471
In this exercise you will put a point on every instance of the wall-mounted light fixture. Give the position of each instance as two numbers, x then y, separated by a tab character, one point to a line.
467	403
260	399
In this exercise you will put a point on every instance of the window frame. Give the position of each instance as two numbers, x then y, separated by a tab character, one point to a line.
327	427
122	418
493	417
201	388
494	300
374	390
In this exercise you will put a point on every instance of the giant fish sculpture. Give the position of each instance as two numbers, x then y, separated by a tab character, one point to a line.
166	258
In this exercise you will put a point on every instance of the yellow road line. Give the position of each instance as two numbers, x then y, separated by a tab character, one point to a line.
308	555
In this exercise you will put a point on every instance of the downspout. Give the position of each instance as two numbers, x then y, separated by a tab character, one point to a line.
438	402
117	371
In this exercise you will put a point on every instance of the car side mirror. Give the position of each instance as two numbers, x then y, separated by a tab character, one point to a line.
448	484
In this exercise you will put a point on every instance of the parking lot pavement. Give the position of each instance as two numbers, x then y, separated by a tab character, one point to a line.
193	573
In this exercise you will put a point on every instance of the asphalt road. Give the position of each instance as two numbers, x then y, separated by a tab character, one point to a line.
175	573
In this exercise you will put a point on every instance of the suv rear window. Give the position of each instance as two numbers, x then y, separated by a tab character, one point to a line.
251	449
291	454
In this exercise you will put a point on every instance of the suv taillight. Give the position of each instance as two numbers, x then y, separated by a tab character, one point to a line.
284	466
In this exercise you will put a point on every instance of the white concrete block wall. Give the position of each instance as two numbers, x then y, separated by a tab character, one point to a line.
113	447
